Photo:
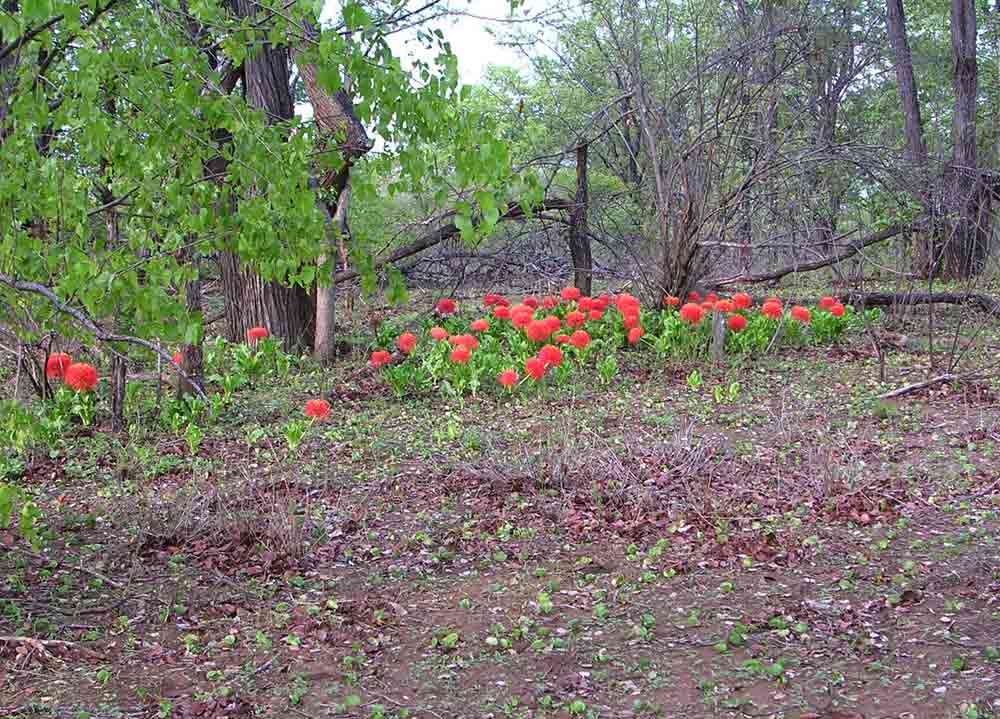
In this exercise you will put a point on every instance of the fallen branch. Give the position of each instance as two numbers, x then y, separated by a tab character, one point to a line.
888	299
99	332
916	386
851	250
446	232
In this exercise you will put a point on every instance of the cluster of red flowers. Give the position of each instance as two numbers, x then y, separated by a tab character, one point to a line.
79	376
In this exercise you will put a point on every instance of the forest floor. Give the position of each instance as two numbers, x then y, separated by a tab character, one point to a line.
800	549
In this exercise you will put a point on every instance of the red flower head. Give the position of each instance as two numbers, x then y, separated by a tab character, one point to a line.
445	306
775	300
575	318
585	304
501	312
538	330
550	302
480	325
595	315
602	302
708	306
562	339
671	301
56	365
81	376
631	320
379	358
177	358
553	322
580	339
634	335
771	310
691	313
508	378
826	303
439	333
742	301
520	315
837	310
694	296
627	304
725	306
534	368
550	355
531	302
406	342
737	323
711	297
570	294
802	314
317	408
461	354
256	333
492	299
467	341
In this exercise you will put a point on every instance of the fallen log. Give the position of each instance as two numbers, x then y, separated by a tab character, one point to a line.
889	299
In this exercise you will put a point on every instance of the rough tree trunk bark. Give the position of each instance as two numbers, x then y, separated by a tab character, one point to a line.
579	239
287	312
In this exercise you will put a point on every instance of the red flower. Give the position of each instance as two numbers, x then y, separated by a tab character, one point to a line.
691	313
553	322
492	299
775	300
508	378
467	341
826	303
602	302
56	364
708	306
406	342
562	339
256	333
521	315
671	301
445	306
550	302
501	312
538	330
737	323
634	335
317	408
801	314
177	359
724	306
595	315
575	318
569	294
580	339
534	368
439	333
694	296
585	304
531	302
461	354
837	310
480	325
379	358
81	376
711	297
771	309
627	304
631	320
550	355
742	301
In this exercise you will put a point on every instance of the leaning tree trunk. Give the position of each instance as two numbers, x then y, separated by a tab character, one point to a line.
287	312
579	239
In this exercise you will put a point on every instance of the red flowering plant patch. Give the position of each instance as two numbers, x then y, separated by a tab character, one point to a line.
544	340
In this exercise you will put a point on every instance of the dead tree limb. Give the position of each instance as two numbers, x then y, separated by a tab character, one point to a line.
888	299
446	232
852	249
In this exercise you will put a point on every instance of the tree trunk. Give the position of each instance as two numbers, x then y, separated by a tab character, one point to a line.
191	354
579	239
326	297
965	247
287	312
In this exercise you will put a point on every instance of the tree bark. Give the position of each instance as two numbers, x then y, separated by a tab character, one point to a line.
579	238
191	354
287	312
